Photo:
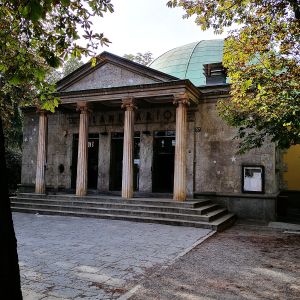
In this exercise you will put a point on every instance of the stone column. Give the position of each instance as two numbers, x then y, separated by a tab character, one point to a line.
182	101
127	171
104	162
40	186
82	161
146	159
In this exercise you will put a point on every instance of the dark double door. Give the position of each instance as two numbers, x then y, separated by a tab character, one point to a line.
116	161
163	161
93	154
162	165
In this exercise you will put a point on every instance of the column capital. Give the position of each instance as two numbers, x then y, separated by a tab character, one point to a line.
83	107
129	104
181	99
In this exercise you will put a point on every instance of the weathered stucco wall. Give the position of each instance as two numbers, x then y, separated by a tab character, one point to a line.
218	167
59	148
29	148
109	75
212	162
58	151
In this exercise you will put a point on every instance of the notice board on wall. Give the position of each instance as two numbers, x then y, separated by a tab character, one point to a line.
253	179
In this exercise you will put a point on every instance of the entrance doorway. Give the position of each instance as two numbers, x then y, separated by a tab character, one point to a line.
93	153
116	157
116	161
163	161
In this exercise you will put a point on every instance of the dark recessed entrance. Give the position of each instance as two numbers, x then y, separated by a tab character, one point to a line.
93	152
163	161
116	157
116	161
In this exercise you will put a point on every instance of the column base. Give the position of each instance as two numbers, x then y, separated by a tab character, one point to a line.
81	193
40	190
179	197
127	195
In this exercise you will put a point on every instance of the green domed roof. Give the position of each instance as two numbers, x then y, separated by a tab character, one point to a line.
186	62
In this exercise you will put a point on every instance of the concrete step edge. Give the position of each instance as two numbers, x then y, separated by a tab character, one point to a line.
224	222
123	211
105	197
121	217
156	202
81	203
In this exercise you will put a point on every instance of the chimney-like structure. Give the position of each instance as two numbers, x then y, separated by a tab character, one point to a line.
215	73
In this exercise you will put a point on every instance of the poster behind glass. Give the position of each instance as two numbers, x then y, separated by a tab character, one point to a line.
253	179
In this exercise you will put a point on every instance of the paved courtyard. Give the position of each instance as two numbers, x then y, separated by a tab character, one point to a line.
80	258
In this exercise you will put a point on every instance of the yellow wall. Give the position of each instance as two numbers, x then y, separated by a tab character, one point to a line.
292	160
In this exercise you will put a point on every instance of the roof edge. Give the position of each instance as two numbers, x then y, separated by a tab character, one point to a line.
110	56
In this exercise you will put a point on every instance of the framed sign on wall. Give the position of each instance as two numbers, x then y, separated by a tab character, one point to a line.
253	179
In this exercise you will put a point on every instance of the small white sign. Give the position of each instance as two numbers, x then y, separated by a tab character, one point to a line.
253	179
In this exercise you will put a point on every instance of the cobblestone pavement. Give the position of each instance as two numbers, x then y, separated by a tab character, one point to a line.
81	258
241	263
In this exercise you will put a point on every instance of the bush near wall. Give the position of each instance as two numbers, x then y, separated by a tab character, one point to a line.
13	164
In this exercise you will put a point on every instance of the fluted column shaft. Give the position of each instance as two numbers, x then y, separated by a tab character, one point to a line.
82	161
40	186
179	192
127	171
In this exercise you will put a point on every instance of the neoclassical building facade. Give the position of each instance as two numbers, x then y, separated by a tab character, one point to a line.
126	129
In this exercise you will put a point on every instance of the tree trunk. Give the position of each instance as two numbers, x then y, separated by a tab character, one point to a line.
10	283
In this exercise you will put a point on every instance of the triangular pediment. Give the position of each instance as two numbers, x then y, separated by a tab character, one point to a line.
110	71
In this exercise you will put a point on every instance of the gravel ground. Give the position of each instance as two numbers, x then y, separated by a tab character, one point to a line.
244	262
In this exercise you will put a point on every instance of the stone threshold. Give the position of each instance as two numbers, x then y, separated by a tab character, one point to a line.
236	195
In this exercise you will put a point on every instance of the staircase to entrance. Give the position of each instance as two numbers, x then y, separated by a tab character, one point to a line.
202	213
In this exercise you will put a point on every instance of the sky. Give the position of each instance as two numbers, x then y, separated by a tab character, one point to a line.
147	25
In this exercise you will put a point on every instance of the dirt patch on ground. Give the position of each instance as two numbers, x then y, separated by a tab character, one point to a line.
240	263
108	289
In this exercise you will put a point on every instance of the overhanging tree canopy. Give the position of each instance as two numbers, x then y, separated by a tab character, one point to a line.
34	36
262	57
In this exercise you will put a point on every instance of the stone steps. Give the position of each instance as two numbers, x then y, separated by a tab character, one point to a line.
130	204
190	203
144	213
218	225
203	213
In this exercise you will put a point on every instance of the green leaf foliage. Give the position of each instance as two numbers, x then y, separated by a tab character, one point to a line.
73	64
141	58
36	36
262	58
